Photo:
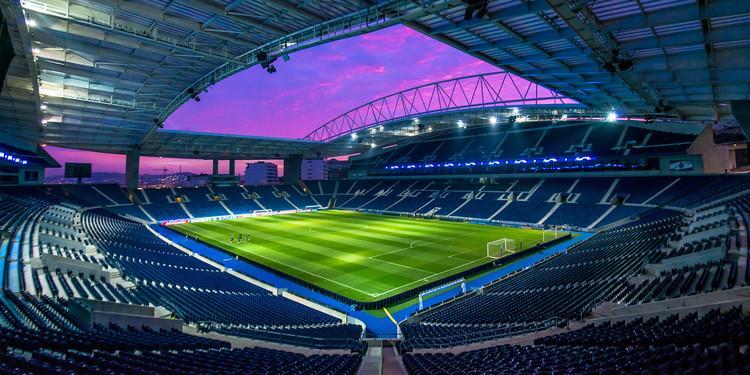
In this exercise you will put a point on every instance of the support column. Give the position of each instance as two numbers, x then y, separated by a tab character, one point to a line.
292	168
132	163
231	167
216	167
741	112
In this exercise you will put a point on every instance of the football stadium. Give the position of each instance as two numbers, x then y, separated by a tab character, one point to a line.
429	187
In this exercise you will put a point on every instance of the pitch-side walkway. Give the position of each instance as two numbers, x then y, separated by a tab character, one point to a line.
392	362
372	362
381	326
498	273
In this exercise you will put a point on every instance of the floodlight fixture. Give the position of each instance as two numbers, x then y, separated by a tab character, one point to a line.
266	61
609	67
475	8
193	94
625	64
662	107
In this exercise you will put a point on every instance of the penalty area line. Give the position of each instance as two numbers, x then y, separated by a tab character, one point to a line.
402	265
313	274
428	277
426	241
459	253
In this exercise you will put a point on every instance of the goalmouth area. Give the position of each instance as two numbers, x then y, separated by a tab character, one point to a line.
362	257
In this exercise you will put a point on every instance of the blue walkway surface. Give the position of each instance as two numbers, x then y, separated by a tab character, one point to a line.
492	276
382	327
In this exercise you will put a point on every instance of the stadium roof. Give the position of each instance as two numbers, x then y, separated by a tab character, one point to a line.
186	144
109	72
686	53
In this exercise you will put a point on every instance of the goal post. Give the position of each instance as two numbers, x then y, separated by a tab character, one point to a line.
550	234
500	248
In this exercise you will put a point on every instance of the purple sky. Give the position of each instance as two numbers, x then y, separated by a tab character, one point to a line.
315	86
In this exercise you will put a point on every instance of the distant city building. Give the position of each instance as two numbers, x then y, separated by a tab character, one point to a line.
166	180
314	169
261	173
337	169
198	180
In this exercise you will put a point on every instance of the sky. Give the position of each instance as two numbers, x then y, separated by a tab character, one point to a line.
314	86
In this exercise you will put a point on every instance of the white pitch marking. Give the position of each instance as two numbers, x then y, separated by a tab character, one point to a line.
425	243
403	265
314	274
465	251
374	258
428	277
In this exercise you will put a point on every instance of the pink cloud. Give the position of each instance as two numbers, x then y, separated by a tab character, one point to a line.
315	86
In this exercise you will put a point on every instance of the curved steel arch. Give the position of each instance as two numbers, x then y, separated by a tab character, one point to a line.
498	89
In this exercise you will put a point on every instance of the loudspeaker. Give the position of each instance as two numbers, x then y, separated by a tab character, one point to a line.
6	49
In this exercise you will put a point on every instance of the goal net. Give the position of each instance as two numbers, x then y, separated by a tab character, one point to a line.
500	248
551	234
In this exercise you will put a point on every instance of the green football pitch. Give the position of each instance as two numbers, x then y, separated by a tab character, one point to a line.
364	257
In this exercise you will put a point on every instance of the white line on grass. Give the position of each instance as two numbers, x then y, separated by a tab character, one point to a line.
426	243
465	251
411	246
310	273
428	277
402	265
334	281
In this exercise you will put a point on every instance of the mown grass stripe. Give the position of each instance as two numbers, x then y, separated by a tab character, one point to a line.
337	252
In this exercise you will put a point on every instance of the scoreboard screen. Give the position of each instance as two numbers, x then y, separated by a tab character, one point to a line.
77	170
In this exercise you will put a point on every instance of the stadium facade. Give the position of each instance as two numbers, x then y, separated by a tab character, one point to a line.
581	211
